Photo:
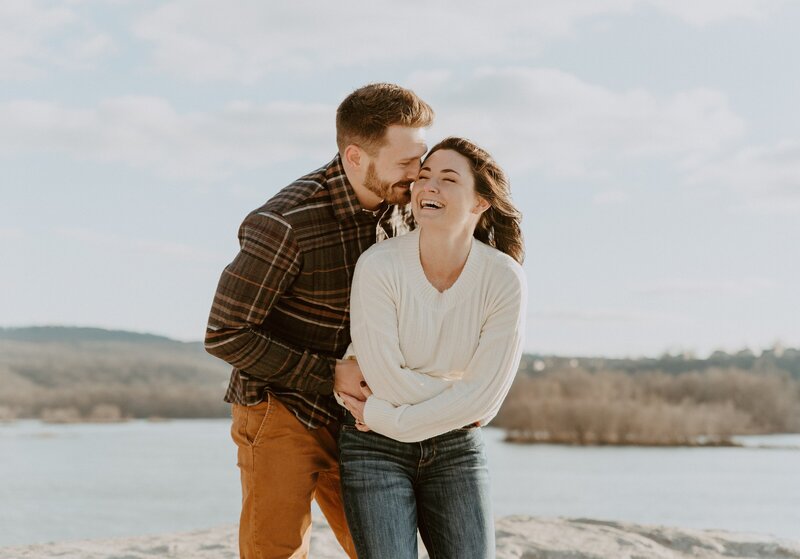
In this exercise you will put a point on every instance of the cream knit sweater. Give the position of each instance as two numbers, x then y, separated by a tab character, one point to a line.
435	361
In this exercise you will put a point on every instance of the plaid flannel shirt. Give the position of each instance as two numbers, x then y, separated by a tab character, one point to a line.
280	315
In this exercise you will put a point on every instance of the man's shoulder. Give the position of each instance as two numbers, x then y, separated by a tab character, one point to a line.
307	192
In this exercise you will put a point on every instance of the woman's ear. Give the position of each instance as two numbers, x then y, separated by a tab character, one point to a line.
481	205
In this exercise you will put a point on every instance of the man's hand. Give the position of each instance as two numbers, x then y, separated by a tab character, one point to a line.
356	408
347	379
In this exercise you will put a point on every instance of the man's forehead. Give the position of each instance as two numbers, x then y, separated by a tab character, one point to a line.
420	149
407	142
406	135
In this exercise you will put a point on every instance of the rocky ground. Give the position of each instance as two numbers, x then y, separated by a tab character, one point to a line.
518	537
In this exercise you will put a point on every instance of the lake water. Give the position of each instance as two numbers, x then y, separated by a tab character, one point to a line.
66	482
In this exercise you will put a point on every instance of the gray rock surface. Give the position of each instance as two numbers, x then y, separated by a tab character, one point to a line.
518	537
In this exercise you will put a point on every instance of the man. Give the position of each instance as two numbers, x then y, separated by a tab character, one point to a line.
280	316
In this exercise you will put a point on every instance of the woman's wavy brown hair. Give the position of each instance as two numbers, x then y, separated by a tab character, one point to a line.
499	226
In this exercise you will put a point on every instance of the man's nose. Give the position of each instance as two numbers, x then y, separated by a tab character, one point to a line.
413	170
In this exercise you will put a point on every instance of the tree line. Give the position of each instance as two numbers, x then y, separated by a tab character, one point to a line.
573	405
63	374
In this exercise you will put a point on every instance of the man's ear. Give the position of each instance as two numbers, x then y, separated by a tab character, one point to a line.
481	206
353	155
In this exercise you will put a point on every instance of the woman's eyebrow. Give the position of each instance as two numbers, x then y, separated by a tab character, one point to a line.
426	168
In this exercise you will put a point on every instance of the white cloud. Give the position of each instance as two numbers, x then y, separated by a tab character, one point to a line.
765	179
10	233
600	315
148	132
35	37
91	47
531	118
546	119
24	30
726	287
247	40
169	249
705	12
610	198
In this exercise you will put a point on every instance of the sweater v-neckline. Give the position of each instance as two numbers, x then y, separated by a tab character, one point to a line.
424	287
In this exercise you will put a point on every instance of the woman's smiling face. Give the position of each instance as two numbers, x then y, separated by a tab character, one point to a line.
444	192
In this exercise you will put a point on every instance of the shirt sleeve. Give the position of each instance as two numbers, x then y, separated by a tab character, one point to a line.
487	378
374	301
267	264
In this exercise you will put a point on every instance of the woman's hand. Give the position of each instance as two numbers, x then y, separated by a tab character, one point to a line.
356	407
365	390
346	377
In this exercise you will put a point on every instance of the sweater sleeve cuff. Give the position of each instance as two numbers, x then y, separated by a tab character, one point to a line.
379	415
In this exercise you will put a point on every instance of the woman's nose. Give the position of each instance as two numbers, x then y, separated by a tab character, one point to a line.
430	185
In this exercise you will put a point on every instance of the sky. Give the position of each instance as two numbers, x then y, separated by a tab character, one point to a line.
652	147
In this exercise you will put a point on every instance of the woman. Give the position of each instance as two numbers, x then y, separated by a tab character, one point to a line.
437	325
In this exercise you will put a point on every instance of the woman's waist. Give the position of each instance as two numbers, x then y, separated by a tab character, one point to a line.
347	419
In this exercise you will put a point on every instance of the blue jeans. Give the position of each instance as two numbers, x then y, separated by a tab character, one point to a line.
440	485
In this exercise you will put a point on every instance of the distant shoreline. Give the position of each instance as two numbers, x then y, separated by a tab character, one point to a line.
70	375
511	437
524	439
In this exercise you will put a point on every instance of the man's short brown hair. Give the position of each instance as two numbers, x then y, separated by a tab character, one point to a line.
363	117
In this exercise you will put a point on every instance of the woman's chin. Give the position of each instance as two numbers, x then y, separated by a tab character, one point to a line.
429	216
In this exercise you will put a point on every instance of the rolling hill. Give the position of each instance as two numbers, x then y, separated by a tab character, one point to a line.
143	375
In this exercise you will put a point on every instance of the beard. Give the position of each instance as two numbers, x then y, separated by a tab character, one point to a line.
397	193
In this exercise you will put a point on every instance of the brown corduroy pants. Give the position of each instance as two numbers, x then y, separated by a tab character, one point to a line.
283	467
